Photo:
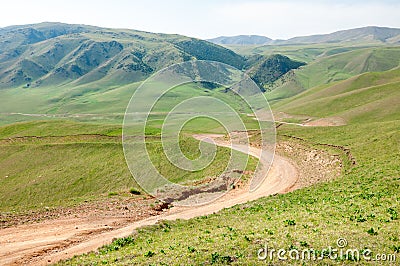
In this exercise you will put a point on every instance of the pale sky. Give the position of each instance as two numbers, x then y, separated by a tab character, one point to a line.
209	18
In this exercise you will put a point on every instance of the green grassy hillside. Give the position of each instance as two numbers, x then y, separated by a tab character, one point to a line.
52	54
57	162
330	65
62	163
345	65
367	97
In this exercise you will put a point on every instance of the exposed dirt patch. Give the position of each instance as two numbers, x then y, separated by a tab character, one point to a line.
314	165
308	121
326	122
126	207
27	238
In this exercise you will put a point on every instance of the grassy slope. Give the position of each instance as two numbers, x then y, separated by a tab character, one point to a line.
56	162
362	205
60	162
365	98
328	64
345	65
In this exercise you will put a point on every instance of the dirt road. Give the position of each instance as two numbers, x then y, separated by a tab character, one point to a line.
50	241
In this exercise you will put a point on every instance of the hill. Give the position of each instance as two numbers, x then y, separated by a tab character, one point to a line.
367	97
333	65
337	67
241	40
51	54
269	69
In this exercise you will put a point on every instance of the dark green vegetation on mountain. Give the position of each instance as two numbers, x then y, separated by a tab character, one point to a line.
269	69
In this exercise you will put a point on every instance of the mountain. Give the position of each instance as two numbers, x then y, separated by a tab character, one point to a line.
49	54
368	35
365	34
241	40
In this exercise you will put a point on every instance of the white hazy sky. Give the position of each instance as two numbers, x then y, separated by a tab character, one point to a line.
209	18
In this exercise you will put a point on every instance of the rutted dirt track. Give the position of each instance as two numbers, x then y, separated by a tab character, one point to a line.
50	241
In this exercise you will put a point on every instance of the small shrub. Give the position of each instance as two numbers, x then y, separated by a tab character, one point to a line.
361	219
304	244
217	258
117	244
372	232
393	214
149	254
268	231
134	191
191	249
122	242
290	222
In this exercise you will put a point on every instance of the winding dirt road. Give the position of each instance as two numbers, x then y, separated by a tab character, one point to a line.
50	241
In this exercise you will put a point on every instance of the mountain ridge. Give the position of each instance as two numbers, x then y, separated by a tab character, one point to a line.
365	34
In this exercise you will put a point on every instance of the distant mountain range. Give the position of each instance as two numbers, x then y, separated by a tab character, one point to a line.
241	40
365	34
